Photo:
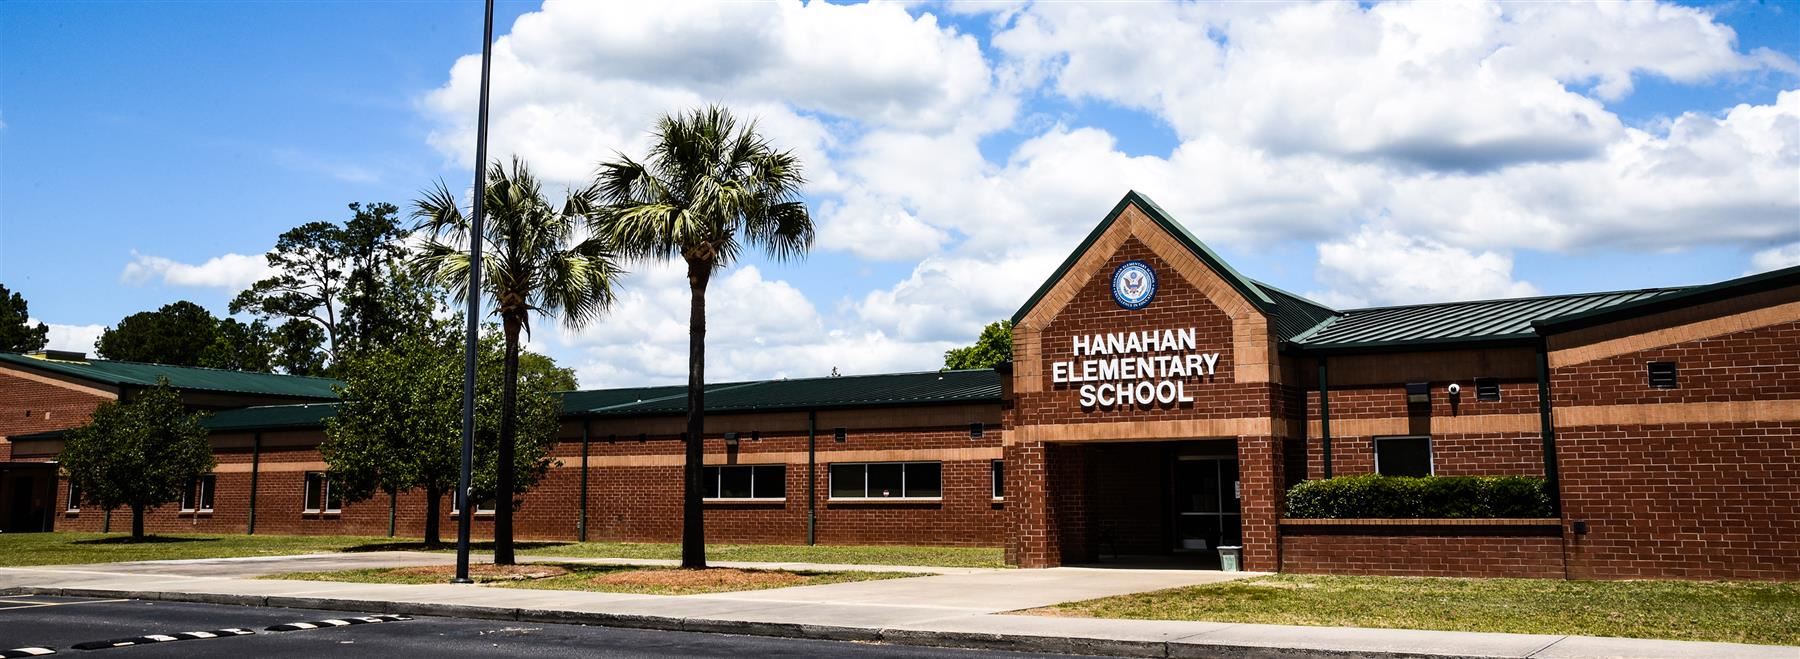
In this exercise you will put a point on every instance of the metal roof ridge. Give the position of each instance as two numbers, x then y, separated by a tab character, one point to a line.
1310	331
1661	289
658	399
208	368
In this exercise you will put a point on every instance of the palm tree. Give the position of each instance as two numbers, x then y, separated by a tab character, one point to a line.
533	261
709	188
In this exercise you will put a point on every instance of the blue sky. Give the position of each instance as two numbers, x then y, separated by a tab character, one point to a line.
150	152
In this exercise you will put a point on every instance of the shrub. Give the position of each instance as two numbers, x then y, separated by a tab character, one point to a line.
1378	497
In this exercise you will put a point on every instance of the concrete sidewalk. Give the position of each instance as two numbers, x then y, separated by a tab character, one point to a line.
965	609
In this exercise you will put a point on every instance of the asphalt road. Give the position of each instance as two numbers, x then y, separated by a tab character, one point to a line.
61	623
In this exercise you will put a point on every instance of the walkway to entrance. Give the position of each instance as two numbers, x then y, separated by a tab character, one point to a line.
965	591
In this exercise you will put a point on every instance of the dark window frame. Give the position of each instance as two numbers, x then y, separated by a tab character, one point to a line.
715	474
831	485
1430	455
200	494
330	503
72	503
997	471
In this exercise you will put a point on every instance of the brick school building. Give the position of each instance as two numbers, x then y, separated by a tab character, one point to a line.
1159	405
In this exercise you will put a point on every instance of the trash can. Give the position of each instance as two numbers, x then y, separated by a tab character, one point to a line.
1231	558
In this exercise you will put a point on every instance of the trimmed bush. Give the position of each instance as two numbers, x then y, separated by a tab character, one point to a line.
1372	496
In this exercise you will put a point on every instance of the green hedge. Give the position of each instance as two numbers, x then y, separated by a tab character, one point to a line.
1373	496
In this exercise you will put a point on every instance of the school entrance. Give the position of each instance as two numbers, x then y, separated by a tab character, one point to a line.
1170	503
26	491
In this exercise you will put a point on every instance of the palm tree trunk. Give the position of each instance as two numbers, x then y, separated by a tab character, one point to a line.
137	521
432	497
693	515
503	495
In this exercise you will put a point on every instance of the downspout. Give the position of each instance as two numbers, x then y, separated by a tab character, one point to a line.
812	477
393	510
1325	415
1551	476
581	524
255	471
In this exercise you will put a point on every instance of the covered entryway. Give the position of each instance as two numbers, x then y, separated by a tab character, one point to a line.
27	491
1167	503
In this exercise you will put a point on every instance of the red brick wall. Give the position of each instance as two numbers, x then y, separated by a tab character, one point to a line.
1423	552
30	406
629	503
1758	364
1693	501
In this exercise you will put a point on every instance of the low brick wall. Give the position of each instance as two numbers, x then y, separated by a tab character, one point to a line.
1423	548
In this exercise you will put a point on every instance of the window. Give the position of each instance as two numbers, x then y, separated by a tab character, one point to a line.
1403	456
482	506
1662	375
745	482
1487	389
319	496
199	494
999	480
74	504
888	480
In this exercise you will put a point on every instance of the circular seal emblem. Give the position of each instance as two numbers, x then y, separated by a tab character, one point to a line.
1133	284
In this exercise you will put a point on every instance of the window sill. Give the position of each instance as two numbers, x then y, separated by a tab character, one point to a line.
877	500
743	501
998	499
203	512
332	513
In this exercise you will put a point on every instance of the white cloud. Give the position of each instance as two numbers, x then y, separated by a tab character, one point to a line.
1438	136
228	271
1775	258
76	338
1379	266
1444	86
756	328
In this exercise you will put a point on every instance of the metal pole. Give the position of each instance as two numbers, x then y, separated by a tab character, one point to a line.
255	472
466	505
581	528
1325	414
1548	430
812	478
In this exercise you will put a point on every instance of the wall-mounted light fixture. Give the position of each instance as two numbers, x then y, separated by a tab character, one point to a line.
1418	392
731	440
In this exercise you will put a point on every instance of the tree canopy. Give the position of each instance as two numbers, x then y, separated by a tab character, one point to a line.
399	425
16	332
991	348
141	453
178	334
348	281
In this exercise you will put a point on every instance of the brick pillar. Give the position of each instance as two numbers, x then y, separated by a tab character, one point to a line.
1260	476
1031	538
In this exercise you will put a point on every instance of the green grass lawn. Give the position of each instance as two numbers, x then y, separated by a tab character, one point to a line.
605	578
1767	613
62	548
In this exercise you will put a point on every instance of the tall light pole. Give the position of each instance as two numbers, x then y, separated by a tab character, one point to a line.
464	505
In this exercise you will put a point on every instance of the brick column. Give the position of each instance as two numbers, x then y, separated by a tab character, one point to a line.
1031	537
1260	477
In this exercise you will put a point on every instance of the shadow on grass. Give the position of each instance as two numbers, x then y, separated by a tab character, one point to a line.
146	540
473	546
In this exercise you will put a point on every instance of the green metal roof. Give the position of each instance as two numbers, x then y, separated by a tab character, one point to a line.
271	417
1294	315
1773	279
886	390
139	374
1459	322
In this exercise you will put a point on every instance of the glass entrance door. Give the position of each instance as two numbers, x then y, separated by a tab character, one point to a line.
1206	506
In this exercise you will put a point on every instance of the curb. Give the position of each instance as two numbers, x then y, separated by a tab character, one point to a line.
1177	648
